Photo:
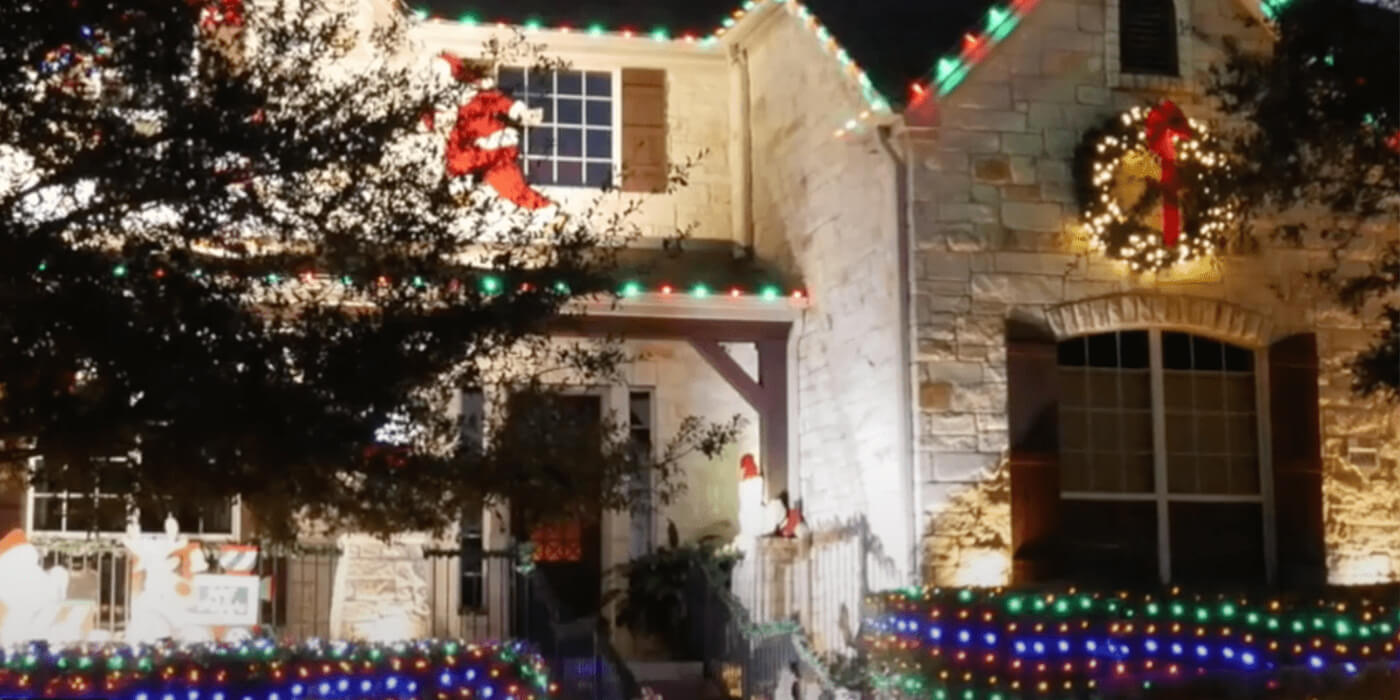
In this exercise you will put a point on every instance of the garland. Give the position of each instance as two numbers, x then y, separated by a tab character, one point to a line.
988	644
1184	171
263	670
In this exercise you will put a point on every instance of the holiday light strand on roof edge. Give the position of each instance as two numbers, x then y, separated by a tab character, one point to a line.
951	70
490	284
264	670
993	643
875	102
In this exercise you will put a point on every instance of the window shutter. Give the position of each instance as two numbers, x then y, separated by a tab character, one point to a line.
644	164
1147	37
11	507
1032	414
1296	439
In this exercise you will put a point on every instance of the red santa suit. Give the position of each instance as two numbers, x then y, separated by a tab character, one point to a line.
484	141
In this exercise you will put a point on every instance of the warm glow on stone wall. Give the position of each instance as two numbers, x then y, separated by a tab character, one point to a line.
967	536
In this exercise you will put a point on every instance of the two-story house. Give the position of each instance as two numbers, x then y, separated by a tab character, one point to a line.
945	366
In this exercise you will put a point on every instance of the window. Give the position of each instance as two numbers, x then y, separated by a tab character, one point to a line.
60	507
1147	37
472	586
639	430
1160	471
573	143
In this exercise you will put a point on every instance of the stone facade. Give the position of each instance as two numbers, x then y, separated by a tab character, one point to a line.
996	236
382	590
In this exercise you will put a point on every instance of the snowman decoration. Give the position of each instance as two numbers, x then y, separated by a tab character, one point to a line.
162	608
31	598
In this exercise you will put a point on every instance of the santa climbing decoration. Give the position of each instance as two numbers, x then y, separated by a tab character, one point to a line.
481	129
1154	188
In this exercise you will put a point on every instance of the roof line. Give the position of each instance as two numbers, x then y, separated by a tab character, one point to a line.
951	70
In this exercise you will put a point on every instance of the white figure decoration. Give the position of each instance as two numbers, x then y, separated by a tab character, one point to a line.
31	599
162	607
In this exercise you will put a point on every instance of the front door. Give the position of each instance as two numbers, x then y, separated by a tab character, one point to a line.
567	553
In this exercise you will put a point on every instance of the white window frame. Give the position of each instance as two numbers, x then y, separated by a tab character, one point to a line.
235	517
1160	494
616	129
1117	78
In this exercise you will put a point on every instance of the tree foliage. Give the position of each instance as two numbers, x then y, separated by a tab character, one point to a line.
228	251
1319	154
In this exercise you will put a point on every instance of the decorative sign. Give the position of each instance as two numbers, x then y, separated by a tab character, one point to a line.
1155	189
225	600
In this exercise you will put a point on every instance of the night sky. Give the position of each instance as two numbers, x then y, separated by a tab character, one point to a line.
894	40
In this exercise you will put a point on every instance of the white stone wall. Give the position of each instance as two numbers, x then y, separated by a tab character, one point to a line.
996	235
826	208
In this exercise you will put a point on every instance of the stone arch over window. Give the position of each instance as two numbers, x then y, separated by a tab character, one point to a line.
1219	319
1286	366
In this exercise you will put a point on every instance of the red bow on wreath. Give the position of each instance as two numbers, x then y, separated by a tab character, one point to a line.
1164	124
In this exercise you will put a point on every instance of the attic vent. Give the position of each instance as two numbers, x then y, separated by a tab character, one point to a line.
1147	37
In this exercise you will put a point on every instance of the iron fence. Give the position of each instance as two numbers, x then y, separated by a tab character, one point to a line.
472	595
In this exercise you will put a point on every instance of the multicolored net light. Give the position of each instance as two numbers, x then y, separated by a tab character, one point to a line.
264	670
996	644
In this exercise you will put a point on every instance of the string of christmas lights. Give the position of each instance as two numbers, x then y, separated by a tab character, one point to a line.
264	670
875	103
995	644
490	284
950	71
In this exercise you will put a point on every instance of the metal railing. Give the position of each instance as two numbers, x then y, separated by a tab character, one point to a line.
747	658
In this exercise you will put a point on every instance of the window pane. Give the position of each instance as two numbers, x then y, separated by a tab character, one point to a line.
1210	435
111	515
1181	473
540	143
48	513
570	143
1216	543
1103	389
599	175
1074	433
1213	475
1177	390
1133	348
1244	476
1072	387
545	104
599	113
1111	542
511	80
570	82
1103	350
540	171
1238	359
1072	352
570	111
1239	392
599	143
1240	431
1207	354
599	84
570	172
1137	431
1176	350
1137	389
1210	392
1138	473
1074	472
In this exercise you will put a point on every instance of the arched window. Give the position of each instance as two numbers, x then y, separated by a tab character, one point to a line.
1147	37
1161	476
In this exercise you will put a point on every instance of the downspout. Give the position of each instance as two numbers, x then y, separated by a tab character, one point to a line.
741	149
904	218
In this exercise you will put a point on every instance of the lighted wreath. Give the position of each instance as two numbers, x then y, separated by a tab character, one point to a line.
1154	188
